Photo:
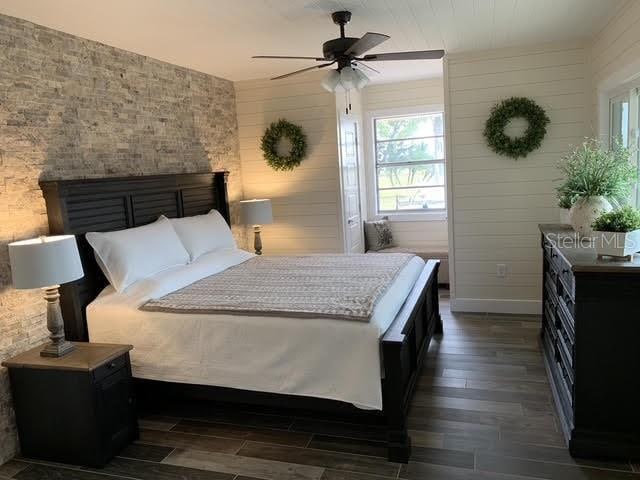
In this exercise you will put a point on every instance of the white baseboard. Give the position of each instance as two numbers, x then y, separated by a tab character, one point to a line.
490	305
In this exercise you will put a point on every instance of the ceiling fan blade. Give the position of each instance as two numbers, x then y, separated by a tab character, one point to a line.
319	59
303	70
367	67
419	55
366	43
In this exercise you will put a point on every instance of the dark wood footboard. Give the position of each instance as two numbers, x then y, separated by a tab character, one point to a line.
404	348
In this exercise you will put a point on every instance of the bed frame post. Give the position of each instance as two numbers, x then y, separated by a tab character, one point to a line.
398	440
434	299
404	347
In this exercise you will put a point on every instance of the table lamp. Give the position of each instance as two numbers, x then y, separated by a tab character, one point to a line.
257	212
47	262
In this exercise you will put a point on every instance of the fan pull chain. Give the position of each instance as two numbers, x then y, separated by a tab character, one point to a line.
347	101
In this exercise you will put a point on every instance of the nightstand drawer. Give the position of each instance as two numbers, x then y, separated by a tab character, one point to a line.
110	367
117	400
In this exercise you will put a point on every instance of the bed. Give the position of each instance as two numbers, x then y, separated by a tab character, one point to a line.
180	356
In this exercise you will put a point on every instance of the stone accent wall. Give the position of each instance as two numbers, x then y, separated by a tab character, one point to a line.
73	108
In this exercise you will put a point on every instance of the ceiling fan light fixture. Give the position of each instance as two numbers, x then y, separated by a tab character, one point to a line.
361	79
331	81
348	78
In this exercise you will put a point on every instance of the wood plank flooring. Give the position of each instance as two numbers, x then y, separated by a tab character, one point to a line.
482	410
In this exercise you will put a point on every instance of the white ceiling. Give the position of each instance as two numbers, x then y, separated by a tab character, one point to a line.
219	36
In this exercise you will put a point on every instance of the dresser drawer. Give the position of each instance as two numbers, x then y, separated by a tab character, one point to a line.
565	387
551	280
565	275
566	311
561	382
567	324
549	341
550	253
110	367
549	322
565	349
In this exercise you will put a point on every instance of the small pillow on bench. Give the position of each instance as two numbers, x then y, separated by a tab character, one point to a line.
378	234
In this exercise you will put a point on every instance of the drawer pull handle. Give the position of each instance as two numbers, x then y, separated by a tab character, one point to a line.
565	271
111	366
554	254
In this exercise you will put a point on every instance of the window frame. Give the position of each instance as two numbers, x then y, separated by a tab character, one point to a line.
631	93
371	165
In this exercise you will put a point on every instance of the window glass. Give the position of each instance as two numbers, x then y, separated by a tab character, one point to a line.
410	168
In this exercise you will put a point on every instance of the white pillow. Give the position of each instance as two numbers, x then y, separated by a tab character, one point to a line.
202	234
126	256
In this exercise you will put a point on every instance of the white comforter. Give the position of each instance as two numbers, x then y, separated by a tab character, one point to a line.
333	359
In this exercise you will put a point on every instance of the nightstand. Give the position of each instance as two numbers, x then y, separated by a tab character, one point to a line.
77	409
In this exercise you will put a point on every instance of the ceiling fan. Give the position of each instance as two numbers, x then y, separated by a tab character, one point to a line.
349	52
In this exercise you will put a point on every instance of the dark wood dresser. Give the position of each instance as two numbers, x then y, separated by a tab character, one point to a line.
591	343
76	409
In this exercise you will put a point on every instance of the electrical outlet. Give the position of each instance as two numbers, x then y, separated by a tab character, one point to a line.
501	270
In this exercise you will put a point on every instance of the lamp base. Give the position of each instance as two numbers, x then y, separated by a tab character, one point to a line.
58	347
257	241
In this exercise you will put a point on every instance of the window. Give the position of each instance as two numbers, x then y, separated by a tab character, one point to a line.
409	163
624	113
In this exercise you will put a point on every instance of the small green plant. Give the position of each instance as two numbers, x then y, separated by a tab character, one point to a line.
566	201
592	170
625	219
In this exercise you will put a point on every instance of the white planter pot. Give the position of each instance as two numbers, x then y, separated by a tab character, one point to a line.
585	211
617	244
564	216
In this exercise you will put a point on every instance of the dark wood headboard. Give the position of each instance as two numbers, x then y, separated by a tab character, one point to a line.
94	205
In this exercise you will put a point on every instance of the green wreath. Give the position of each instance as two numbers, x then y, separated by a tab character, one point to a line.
500	116
271	139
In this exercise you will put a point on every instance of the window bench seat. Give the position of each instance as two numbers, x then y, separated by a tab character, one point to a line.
426	253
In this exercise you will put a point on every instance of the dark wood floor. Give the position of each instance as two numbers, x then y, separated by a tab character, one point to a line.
482	411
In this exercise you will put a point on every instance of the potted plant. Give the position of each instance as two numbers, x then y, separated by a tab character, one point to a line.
617	233
595	176
565	202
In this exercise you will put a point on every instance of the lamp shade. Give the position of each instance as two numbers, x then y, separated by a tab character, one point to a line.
44	261
257	212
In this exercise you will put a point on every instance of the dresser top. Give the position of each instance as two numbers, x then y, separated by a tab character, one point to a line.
85	358
580	253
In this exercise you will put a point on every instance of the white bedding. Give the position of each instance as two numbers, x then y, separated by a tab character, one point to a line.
324	358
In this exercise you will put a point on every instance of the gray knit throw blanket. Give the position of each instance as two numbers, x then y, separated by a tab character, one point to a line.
344	287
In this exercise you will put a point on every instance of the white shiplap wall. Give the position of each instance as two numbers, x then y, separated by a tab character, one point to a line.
382	97
306	201
615	59
496	202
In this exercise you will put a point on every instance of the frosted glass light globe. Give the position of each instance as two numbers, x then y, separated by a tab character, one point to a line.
331	81
361	79
348	78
